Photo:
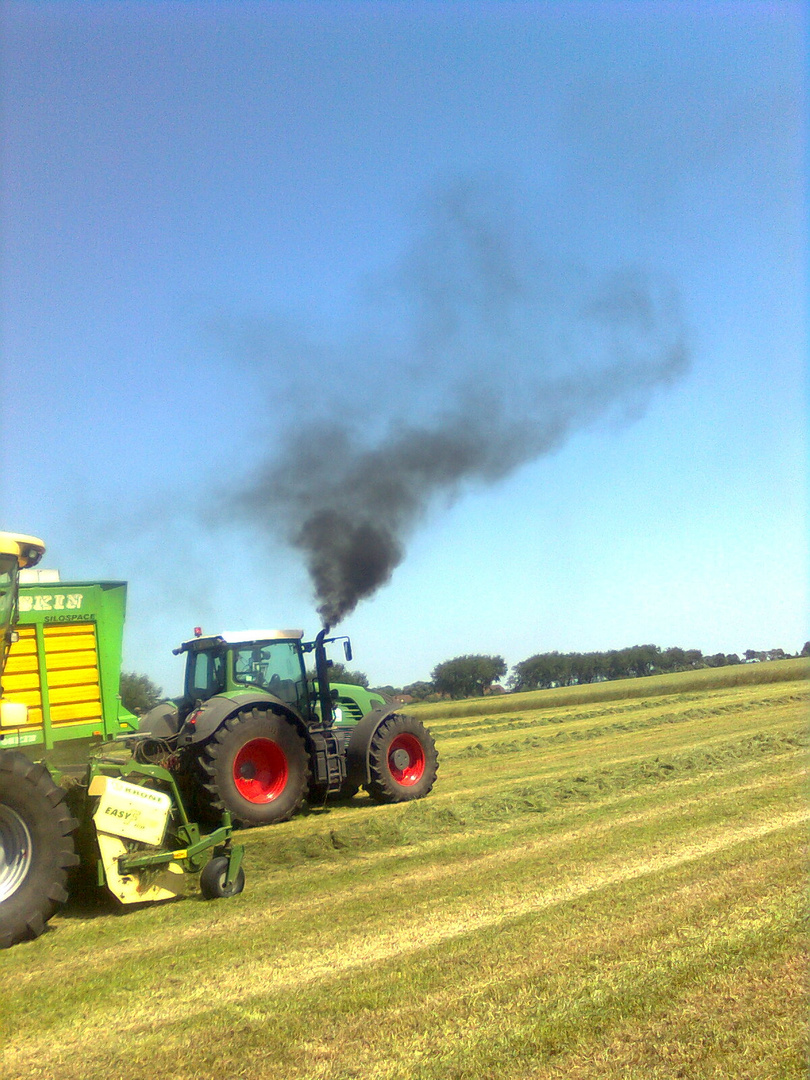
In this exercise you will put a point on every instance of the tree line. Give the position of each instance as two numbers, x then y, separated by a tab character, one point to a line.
475	675
545	670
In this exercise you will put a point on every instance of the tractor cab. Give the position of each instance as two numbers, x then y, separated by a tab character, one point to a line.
245	660
271	661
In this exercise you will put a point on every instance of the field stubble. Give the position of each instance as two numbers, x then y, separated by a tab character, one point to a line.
607	889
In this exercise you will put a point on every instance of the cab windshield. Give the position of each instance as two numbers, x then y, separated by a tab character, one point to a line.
274	666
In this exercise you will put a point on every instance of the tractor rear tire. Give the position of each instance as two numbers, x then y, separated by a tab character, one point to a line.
402	760
36	847
257	767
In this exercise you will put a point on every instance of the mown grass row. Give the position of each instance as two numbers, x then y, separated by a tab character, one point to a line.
671	707
625	903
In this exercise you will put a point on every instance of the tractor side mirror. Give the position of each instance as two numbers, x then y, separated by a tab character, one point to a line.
347	648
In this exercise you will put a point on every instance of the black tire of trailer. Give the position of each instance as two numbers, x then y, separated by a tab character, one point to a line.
36	834
257	767
212	880
402	760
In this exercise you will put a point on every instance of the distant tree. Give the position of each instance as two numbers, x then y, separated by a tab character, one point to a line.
673	659
467	676
419	691
340	673
587	667
542	671
733	658
805	649
718	660
559	669
387	691
527	675
138	693
642	660
616	661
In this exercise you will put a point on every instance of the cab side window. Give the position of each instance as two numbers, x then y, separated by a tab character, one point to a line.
207	675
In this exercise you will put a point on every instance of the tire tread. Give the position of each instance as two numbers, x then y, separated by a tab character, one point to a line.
381	786
212	761
29	789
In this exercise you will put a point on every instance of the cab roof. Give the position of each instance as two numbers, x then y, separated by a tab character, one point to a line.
240	637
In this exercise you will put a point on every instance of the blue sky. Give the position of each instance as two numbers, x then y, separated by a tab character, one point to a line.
212	214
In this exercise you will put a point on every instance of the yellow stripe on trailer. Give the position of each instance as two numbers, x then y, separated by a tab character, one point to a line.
71	660
70	638
72	649
67	664
22	656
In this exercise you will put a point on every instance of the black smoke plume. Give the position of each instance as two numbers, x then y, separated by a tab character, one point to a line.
482	359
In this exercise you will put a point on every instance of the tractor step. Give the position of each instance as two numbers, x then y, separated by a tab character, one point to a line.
330	761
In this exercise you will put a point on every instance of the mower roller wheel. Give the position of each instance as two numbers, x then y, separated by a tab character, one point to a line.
402	760
257	767
212	880
36	847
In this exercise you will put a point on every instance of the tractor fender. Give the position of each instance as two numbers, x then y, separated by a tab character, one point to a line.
202	722
161	722
357	751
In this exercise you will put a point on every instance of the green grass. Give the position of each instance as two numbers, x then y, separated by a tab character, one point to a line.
604	888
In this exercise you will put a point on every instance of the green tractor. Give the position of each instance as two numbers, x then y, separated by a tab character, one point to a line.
256	735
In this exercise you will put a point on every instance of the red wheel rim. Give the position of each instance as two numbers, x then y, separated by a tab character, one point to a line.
260	771
406	759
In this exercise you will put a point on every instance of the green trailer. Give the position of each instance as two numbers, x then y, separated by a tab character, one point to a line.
134	835
63	672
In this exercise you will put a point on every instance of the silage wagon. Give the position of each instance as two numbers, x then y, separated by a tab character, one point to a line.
254	734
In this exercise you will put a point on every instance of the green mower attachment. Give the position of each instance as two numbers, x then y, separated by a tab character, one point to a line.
145	840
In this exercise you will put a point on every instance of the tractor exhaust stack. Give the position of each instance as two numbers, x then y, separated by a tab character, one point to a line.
322	672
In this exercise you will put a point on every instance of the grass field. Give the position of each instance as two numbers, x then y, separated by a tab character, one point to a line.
608	888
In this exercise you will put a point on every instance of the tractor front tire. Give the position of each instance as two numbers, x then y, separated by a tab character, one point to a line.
257	767
402	760
36	847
